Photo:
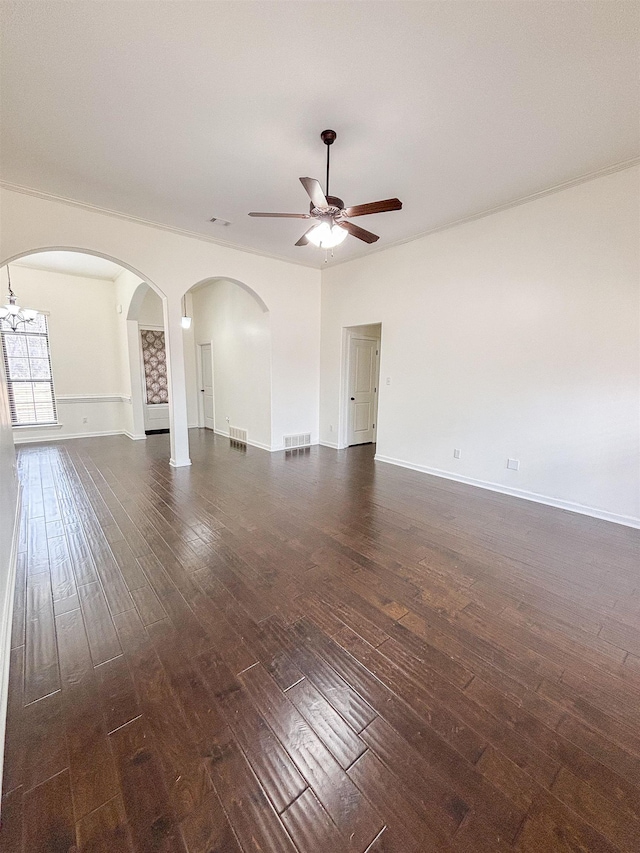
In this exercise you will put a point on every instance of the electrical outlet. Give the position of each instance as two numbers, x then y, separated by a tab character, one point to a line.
227	419
85	420
388	380
330	427
456	453
513	464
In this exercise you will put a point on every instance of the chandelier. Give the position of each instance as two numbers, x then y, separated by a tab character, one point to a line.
12	314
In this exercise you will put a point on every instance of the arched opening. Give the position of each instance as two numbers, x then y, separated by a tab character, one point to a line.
146	340
32	253
228	361
88	299
241	284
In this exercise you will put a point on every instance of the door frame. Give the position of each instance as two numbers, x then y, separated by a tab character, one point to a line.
343	413
199	380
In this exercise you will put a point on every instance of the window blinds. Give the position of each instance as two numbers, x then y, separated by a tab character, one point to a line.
27	362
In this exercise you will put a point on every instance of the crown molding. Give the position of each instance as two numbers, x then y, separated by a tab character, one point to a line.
565	185
138	220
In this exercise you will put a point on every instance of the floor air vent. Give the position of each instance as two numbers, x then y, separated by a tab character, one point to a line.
302	440
237	434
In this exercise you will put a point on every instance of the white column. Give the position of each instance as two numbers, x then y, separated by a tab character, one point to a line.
178	421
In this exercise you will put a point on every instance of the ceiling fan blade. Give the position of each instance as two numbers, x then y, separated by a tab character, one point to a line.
358	232
374	207
303	240
314	191
284	215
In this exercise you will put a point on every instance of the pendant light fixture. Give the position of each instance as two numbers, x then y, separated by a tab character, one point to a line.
12	314
186	321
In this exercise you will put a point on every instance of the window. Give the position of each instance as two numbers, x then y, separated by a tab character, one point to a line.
28	366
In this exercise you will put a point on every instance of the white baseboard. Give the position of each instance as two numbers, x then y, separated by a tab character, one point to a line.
6	622
40	439
135	437
627	520
332	444
183	463
260	445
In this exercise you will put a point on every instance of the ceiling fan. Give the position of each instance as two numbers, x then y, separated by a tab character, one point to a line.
330	216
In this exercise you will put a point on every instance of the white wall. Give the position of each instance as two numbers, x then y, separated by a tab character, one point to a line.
8	532
517	335
86	354
125	286
151	310
225	315
190	367
82	327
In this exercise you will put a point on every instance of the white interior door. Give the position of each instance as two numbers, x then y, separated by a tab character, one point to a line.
363	390
206	368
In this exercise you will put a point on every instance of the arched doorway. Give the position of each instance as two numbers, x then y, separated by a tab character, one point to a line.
228	360
88	298
146	342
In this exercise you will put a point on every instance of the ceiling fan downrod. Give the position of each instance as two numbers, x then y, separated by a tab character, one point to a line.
328	137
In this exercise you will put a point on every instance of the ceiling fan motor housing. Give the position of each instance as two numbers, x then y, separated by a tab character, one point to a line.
335	206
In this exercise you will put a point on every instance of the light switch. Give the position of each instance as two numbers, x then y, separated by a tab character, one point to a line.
513	464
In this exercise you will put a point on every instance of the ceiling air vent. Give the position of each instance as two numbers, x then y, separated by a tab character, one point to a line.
217	221
302	440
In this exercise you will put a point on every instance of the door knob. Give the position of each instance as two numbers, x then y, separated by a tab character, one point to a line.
353	398
202	389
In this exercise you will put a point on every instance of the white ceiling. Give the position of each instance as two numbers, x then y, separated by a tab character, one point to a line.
72	263
179	111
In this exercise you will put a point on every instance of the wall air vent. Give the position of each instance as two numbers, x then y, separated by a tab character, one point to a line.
237	434
302	440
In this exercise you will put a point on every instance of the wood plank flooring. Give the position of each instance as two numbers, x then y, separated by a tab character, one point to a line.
313	652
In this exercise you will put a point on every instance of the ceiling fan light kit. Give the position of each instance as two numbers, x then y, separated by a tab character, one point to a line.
326	235
331	227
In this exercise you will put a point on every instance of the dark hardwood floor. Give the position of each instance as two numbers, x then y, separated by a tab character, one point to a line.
312	652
